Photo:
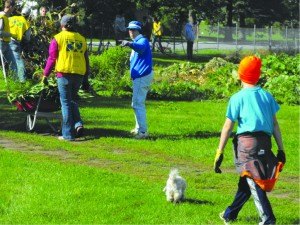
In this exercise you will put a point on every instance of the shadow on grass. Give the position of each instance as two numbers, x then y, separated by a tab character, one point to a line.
96	133
197	201
198	134
105	102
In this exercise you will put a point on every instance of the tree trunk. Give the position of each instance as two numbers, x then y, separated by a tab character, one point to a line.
228	33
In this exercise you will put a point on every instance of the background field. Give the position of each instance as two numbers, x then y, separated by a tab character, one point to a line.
110	178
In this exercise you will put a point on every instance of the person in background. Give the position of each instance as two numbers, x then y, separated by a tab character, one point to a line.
68	53
157	34
254	109
42	19
119	27
190	36
141	74
5	36
20	31
147	28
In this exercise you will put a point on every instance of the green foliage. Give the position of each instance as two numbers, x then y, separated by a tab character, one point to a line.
110	72
31	89
280	76
216	80
285	89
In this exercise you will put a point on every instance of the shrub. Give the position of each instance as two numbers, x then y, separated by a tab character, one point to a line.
110	72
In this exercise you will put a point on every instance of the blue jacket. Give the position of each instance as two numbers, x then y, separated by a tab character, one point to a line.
141	57
189	32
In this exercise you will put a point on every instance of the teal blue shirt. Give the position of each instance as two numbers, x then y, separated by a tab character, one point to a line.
253	109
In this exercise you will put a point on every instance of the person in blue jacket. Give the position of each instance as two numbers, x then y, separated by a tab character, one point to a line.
141	74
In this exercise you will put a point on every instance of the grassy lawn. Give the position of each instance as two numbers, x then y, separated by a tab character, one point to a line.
110	178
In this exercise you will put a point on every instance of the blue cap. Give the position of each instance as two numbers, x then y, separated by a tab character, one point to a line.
135	25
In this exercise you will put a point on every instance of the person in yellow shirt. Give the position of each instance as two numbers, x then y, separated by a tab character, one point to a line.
68	54
20	31
157	34
5	36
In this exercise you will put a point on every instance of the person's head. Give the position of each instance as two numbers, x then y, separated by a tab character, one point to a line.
43	11
134	28
67	22
249	70
155	19
9	6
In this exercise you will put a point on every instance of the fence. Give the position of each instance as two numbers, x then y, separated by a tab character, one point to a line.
270	38
229	38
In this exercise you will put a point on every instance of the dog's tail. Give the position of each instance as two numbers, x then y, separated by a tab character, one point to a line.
174	173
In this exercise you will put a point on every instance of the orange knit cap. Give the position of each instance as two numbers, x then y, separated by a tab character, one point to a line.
249	69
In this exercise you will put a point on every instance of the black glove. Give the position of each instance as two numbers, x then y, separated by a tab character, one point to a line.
85	86
281	156
45	81
218	161
125	43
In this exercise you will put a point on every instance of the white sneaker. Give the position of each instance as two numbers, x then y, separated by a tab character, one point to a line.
61	138
141	135
134	131
221	215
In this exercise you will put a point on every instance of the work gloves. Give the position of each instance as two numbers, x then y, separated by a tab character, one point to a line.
45	81
218	161
125	43
281	158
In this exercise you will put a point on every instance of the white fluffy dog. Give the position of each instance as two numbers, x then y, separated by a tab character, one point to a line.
175	187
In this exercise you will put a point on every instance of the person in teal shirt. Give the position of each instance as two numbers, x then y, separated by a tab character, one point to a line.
254	109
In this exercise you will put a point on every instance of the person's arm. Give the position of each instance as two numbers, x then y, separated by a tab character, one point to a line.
3	34
27	35
53	54
138	46
277	134
278	139
225	134
85	82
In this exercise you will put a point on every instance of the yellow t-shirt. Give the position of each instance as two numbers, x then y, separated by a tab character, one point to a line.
157	29
72	47
18	25
6	27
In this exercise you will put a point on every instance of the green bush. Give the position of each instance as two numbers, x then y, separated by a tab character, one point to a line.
109	72
216	80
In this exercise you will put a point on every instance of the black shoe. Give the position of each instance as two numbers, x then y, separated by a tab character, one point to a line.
79	131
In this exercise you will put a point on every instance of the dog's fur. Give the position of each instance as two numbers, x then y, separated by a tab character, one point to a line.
175	187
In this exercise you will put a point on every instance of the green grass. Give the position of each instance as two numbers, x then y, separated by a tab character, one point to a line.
110	178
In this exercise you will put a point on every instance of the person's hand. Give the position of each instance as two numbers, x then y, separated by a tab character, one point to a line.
281	156
45	81
125	43
218	161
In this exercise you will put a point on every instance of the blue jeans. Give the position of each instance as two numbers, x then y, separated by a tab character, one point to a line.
9	57
141	87
68	87
16	50
246	187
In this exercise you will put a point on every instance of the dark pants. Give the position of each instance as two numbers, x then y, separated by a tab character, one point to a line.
158	40
246	187
189	50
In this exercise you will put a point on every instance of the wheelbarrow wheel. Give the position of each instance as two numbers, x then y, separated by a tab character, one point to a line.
30	123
